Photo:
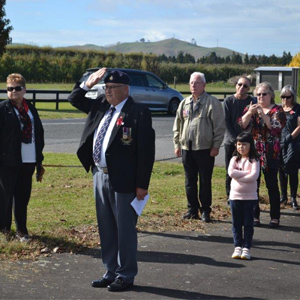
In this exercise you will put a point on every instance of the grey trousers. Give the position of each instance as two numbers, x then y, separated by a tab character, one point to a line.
117	227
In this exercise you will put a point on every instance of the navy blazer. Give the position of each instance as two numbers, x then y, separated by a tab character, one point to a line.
10	135
129	164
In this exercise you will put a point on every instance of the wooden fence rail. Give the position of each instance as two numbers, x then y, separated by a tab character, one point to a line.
34	96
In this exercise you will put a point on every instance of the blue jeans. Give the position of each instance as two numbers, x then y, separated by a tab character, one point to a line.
242	212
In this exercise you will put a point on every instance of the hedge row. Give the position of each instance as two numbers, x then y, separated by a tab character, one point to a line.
58	65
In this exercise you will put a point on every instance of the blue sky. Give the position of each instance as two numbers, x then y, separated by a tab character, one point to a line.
253	26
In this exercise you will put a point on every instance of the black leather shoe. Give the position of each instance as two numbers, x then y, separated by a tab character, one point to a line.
274	223
119	285
189	215
294	203
256	222
283	200
101	283
205	217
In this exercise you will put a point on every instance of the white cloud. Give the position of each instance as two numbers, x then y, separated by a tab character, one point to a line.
155	36
253	26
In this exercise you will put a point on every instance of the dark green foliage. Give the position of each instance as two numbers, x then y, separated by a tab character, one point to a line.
212	72
4	28
47	64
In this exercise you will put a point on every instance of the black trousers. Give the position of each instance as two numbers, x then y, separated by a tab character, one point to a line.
198	163
229	149
283	179
15	191
271	180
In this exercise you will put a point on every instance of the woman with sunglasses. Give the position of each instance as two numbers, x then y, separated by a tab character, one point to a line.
21	145
288	168
265	121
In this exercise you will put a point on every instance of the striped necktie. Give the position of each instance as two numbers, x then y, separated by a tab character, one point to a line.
101	135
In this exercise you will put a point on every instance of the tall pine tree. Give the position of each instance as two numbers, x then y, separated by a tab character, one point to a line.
4	28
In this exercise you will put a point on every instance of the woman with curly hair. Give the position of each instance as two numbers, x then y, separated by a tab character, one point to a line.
265	121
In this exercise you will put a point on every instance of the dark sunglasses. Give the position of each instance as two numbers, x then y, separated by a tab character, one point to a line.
244	85
261	94
286	97
16	88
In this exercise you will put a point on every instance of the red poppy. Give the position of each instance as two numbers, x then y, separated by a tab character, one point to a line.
120	121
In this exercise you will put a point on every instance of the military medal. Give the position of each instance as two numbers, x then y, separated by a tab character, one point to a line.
126	136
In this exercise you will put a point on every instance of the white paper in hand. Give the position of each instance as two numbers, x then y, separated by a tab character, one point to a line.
139	205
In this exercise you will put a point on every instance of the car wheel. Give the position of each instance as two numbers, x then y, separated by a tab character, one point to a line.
173	106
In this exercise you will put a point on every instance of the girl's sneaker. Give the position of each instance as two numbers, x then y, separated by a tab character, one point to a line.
246	254
237	252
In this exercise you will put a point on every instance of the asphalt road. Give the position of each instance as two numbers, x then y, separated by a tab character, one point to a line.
63	136
173	265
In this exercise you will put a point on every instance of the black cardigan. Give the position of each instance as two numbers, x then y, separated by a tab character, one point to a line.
289	146
10	135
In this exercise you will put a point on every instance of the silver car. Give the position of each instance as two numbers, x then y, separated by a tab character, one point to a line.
145	88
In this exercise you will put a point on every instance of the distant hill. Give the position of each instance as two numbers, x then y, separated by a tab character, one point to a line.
169	47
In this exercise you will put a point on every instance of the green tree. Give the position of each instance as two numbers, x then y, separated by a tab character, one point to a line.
227	59
180	57
4	28
273	60
212	58
253	60
246	59
188	58
236	58
286	58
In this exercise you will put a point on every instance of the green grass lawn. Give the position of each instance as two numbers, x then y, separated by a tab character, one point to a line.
61	212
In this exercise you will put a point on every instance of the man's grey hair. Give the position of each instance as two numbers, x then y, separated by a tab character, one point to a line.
199	74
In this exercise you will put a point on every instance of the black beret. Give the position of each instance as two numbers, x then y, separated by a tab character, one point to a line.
117	76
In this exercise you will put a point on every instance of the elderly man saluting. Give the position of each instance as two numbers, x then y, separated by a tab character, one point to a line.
118	145
198	133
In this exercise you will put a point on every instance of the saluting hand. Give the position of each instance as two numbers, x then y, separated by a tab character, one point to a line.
95	77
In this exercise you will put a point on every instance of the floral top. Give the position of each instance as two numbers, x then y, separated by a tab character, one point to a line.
267	141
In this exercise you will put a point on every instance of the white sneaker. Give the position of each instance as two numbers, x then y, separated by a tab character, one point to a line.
23	239
246	254
237	252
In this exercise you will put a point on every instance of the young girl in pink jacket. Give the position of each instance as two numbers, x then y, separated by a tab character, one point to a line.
244	169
